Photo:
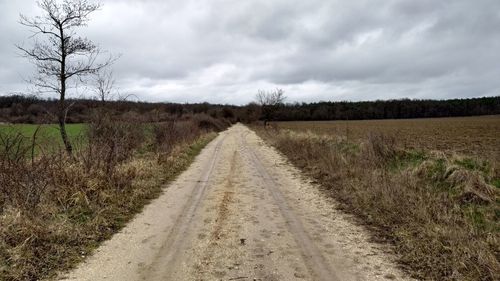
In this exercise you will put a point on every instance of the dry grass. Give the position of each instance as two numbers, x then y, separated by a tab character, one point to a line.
55	210
441	211
472	136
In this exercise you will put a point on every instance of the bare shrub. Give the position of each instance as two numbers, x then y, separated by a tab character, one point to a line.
380	147
208	123
111	141
168	135
13	148
21	182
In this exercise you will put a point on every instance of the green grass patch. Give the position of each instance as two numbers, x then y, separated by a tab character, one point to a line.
476	215
47	133
473	165
496	183
438	169
409	158
349	147
46	130
415	157
195	148
484	218
48	137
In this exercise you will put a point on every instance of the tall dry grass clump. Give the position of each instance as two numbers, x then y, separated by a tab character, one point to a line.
55	209
441	212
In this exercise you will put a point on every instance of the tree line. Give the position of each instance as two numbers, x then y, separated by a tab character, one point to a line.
34	110
389	109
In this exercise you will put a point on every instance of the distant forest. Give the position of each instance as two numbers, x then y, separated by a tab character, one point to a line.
391	109
30	109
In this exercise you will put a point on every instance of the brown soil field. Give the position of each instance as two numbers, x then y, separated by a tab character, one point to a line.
472	136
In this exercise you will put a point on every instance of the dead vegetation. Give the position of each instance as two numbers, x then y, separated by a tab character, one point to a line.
55	208
441	211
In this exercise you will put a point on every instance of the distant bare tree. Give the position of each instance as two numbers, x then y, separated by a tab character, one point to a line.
59	54
105	83
269	102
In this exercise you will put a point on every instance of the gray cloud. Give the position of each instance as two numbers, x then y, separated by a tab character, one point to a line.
223	51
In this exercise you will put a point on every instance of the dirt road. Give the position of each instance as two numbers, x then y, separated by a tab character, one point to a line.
240	212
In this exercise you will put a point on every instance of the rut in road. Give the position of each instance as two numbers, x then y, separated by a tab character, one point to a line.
314	259
240	212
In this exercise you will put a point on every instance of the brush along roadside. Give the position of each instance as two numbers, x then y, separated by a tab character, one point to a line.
54	210
441	212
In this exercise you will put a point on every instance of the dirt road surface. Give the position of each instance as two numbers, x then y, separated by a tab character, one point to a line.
240	212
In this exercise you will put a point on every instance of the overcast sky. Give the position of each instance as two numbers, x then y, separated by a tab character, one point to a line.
223	51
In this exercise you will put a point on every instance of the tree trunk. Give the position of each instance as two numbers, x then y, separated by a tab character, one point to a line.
61	116
64	134
62	104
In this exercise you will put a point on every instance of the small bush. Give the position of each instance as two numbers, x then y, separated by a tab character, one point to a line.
208	123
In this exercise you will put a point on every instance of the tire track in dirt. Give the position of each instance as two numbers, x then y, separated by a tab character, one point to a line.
221	220
176	242
316	263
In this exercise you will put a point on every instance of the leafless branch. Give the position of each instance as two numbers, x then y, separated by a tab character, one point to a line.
58	53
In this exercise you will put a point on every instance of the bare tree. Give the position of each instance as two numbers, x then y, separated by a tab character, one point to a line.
60	56
269	103
105	83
